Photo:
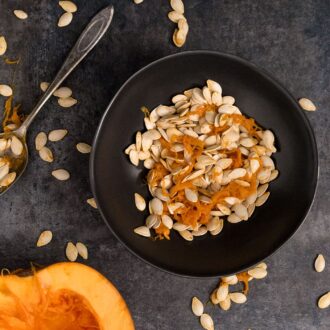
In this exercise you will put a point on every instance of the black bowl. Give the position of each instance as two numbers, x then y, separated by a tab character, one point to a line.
115	180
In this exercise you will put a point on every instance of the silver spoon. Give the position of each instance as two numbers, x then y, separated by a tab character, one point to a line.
13	147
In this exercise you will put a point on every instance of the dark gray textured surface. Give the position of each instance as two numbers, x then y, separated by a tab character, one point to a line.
290	39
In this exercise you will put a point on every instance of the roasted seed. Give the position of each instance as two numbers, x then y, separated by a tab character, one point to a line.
44	238
92	202
307	104
222	292
207	322
319	263
4	170
82	250
68	6
46	154
65	19
262	199
140	203
178	6
257	273
8	179
238	297
83	148
3	45
57	135
71	252
16	146
142	231
197	306
40	140
6	90
174	17
20	14
63	92
225	304
67	102
324	301
61	174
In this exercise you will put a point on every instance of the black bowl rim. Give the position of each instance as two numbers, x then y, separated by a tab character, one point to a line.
262	72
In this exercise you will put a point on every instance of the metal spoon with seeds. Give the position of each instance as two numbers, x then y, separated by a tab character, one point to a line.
13	148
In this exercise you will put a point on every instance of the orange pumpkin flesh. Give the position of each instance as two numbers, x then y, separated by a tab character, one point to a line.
66	296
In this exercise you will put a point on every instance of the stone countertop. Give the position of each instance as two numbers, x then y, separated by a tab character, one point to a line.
290	39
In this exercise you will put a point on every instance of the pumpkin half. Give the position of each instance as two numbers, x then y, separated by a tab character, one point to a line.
63	296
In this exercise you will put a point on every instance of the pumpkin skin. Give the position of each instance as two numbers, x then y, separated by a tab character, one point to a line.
66	296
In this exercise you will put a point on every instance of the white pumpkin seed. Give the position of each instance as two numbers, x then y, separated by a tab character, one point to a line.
197	306
225	304
273	175
319	263
237	173
8	179
44	238
83	148
262	199
238	297
140	203
46	155
142	231
57	135
214	86
44	85
213	224
71	252
20	14
40	140
232	279
218	229
4	170
254	165
251	209
187	235
16	146
137	2
207	322
258	273
307	104
191	195
6	90
156	206
324	301
179	226
61	174
65	19
167	221
151	220
234	218
200	231
68	6
241	211
63	92
149	163
217	99
3	45
228	100
82	250
222	292
178	6
67	102
262	189
92	202
262	265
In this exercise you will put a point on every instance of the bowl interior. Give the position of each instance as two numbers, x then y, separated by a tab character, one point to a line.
115	180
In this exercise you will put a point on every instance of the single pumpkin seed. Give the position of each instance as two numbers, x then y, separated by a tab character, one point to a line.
262	189
3	45
44	85
151	220
92	202
65	19
238	297
44	238
68	6
82	250
71	252
142	231
20	14
16	146
254	165
4	170
222	292
57	135
214	86
187	235
225	304
178	6
191	195
156	206
324	301
83	148
232	279
234	218
218	229
262	265
319	263
197	306
262	199
67	102
200	231
140	203
8	179
40	140
167	221
179	226
46	154
63	92
241	211
6	90
228	100
237	173
61	174
149	163
257	273
307	104
207	322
